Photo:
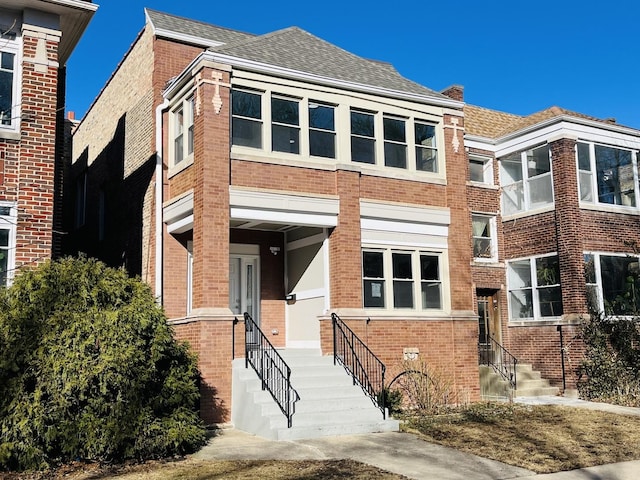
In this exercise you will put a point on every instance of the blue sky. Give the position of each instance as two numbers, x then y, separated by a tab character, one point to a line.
518	57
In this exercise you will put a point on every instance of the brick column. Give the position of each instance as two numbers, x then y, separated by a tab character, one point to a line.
568	233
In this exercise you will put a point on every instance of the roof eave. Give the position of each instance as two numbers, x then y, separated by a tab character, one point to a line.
179	36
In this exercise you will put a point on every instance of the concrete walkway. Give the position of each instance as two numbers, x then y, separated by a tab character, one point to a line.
407	455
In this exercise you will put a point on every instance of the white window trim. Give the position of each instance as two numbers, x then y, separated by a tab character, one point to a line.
537	318
594	180
9	222
14	46
417	310
487	169
598	275
187	104
493	238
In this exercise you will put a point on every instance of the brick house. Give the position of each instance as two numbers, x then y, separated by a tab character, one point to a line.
554	200
37	40
282	176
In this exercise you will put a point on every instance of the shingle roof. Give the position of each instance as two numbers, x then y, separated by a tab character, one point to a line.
206	31
294	49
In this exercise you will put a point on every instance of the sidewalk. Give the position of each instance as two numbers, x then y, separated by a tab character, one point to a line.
407	455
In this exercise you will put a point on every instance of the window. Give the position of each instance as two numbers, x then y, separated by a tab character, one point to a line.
183	127
613	284
7	243
246	123
481	170
526	180
285	125
484	237
426	152
534	288
363	143
606	174
401	276
395	143
7	86
322	130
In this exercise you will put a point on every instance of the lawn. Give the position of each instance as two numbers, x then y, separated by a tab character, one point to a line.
543	439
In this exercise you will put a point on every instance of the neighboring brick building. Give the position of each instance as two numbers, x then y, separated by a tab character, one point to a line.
37	38
554	200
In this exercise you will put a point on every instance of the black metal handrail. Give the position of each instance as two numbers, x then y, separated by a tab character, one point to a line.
359	361
492	354
273	371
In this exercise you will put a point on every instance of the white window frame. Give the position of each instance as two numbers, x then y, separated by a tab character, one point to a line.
12	43
493	238
534	287
598	285
526	182
8	222
312	104
265	112
588	179
189	305
487	169
400	144
184	109
417	281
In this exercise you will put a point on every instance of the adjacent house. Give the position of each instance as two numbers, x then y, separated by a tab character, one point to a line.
281	180
37	40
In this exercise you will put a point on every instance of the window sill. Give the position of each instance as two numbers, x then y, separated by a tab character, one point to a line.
487	263
486	186
528	213
10	134
547	321
608	208
175	169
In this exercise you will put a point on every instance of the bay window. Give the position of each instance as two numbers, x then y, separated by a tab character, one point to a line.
612	282
534	288
526	180
607	175
182	119
402	279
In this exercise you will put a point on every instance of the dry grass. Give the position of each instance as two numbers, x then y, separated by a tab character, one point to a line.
544	439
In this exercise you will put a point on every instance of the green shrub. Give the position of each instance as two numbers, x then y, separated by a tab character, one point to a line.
89	369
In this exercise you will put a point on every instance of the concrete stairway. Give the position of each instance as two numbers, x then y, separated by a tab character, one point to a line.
329	402
529	384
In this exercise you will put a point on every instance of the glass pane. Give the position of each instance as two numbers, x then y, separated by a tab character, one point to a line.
550	301
374	293
426	159
322	144
480	226
476	170
284	111
540	191
363	150
431	297
6	96
521	305
583	157
586	192
178	122
3	267
395	155
402	265
4	238
483	324
249	290
538	161
247	133
425	134
285	139
246	104
5	210
394	130
178	149
547	271
511	169
402	294
429	267
513	198
482	248
372	264
362	124
620	286
190	140
321	116
615	176
7	61
589	269
519	274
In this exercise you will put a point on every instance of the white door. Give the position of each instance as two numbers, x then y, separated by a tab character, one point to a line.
244	286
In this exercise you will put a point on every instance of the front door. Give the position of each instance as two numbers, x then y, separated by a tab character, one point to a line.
488	325
244	293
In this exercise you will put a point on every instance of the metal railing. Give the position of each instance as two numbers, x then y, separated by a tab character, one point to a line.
492	354
359	361
272	370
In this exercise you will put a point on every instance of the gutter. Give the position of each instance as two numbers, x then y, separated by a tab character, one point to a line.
159	199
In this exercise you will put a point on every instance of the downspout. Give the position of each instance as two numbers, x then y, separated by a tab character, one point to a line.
159	199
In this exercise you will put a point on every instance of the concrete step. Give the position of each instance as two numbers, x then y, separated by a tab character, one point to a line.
536	392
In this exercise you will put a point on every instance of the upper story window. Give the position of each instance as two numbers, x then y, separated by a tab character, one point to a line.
607	175
363	141
9	82
401	279
285	125
612	283
534	288
485	248
395	142
183	130
481	169
526	180
7	242
246	113
322	130
426	151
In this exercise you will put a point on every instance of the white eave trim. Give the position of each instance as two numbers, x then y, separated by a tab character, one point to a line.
404	213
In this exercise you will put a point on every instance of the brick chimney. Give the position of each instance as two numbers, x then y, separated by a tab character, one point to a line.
455	92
